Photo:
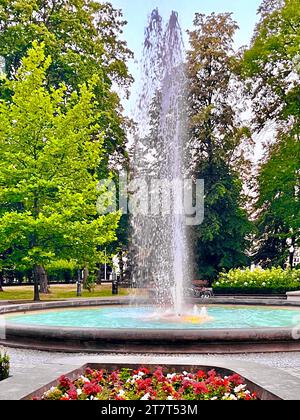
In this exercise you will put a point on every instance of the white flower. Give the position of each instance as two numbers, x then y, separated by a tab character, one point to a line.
85	379
79	391
232	398
239	388
141	374
48	393
218	283
145	397
170	398
214	399
171	375
245	284
185	373
121	393
264	284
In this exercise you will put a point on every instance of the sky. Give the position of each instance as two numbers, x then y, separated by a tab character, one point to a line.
137	11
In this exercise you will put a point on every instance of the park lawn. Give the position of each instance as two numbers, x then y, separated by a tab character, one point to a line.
57	292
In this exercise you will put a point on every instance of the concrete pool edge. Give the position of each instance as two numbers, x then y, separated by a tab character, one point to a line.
69	339
270	383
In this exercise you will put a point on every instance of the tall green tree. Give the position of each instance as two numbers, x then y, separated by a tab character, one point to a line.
271	67
216	139
83	37
51	145
272	63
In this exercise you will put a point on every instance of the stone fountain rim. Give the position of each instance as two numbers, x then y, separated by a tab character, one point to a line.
70	339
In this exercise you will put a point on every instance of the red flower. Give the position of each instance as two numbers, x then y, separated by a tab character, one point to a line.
201	374
64	382
89	372
236	379
91	389
168	388
200	388
144	384
143	370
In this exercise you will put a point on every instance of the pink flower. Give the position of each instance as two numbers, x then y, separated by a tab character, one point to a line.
236	380
114	376
158	374
72	393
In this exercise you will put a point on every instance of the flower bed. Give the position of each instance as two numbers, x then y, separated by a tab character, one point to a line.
4	366
141	384
275	280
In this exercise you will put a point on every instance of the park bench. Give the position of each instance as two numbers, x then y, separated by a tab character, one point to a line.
202	289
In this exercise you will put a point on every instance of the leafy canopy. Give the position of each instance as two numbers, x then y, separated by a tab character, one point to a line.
51	146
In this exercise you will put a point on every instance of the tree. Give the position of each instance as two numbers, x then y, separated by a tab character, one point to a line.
50	144
271	67
83	39
272	64
218	142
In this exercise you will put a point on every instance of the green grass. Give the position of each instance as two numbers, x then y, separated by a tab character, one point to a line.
57	292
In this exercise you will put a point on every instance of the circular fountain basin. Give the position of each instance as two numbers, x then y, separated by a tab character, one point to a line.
148	318
123	328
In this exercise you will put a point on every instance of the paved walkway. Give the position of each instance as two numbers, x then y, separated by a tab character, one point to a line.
20	359
278	374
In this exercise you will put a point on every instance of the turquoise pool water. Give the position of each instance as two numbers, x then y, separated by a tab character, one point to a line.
124	317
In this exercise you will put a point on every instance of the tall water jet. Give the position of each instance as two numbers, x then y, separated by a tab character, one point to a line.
160	252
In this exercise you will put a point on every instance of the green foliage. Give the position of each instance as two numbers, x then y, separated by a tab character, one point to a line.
279	181
4	366
51	145
218	142
271	67
275	280
83	39
272	63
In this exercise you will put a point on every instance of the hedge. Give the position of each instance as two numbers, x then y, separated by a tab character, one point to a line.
275	280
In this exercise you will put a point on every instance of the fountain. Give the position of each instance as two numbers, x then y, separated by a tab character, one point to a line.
159	240
159	249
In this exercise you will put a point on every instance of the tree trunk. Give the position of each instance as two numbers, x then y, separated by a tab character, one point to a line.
99	275
85	277
121	265
1	281
43	280
36	284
